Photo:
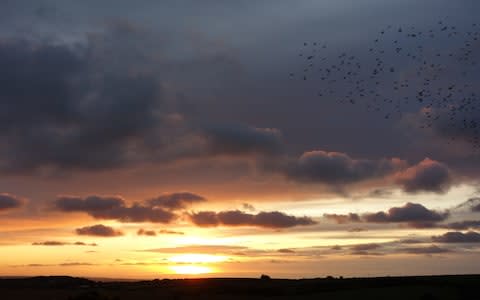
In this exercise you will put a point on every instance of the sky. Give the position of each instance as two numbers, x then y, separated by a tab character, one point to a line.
166	139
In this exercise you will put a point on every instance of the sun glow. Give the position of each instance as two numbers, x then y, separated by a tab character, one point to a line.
191	269
197	258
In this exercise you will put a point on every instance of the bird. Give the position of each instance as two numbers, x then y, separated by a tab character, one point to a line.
398	76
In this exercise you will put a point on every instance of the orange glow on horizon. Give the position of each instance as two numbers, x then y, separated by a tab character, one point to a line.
191	269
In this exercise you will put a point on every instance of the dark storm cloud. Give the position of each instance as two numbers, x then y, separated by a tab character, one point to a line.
105	98
114	208
237	139
272	219
427	176
99	230
338	168
412	213
176	201
142	231
300	115
458	237
60	109
8	201
343	219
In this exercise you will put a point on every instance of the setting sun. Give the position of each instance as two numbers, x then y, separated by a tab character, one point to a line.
191	269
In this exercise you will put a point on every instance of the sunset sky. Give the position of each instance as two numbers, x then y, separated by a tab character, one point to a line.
164	139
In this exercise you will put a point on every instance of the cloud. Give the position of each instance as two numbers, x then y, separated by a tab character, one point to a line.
457	237
338	168
463	225
58	243
433	249
410	241
165	231
114	208
473	204
285	251
427	176
343	219
88	204
76	264
142	231
85	244
176	201
207	249
66	264
8	201
416	215
248	206
50	243
272	219
357	229
98	230
413	214
205	218
365	247
52	121
240	139
136	213
380	193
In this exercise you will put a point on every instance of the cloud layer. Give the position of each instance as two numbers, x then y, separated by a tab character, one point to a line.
99	230
412	214
114	208
8	201
427	176
338	168
273	219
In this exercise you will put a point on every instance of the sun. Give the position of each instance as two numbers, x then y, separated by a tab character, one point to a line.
191	269
195	263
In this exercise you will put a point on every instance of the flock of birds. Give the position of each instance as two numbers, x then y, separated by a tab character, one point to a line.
432	72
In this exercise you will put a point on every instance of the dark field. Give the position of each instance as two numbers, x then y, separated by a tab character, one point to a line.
391	288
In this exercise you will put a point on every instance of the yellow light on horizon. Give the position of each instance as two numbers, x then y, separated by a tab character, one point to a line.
194	258
191	269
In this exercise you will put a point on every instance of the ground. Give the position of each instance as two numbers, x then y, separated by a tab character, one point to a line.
391	288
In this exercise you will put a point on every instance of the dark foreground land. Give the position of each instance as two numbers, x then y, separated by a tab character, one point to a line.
391	288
